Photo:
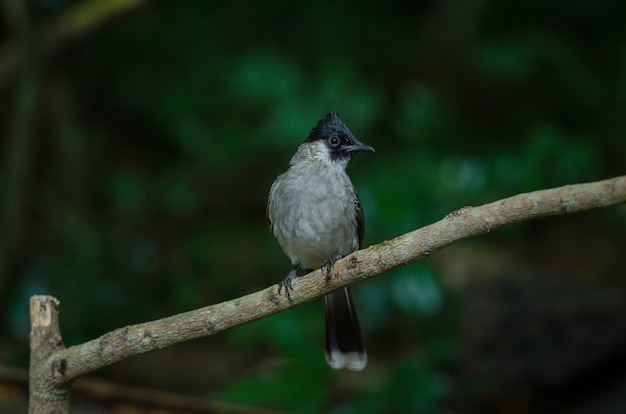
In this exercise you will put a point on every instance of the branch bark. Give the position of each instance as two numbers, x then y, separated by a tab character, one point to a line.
45	340
59	366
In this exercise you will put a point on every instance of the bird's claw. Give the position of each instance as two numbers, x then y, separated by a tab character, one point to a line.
286	284
328	264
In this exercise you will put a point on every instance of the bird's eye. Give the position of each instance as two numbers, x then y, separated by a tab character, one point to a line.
334	141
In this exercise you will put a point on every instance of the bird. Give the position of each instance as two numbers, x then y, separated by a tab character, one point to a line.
315	214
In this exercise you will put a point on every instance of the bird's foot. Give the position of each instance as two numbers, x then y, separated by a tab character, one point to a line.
328	264
286	283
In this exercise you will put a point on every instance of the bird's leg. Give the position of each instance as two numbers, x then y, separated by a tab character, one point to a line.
328	264
286	282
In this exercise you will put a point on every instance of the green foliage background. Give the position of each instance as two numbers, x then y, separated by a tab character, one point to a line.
158	136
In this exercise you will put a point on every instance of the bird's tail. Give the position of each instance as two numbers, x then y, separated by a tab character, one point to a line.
344	345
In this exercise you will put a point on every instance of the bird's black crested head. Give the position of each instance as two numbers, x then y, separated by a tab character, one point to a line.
337	137
330	125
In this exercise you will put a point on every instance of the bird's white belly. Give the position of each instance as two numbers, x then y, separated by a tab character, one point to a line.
320	231
313	214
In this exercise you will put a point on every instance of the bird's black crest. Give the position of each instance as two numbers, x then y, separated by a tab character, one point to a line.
330	125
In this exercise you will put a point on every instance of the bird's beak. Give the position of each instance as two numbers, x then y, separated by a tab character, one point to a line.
358	147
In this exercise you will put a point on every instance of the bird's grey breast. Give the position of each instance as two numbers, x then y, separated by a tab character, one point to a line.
312	211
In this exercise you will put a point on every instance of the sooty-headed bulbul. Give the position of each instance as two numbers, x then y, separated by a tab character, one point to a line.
315	213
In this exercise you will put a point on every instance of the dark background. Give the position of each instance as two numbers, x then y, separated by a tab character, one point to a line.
138	150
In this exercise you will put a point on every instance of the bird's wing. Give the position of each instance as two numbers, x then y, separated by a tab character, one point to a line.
360	219
268	215
268	212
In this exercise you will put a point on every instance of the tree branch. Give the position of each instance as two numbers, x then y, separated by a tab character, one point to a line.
462	224
45	340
